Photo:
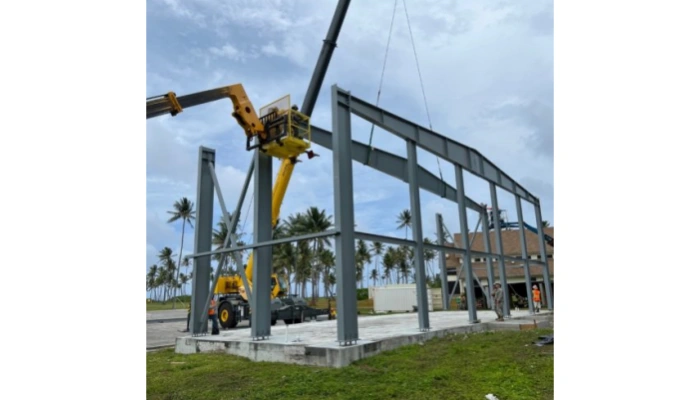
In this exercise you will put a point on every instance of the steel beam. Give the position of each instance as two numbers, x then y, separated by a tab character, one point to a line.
262	256
468	275
543	253
202	242
523	249
444	147
417	230
344	223
264	244
373	237
394	166
499	250
443	264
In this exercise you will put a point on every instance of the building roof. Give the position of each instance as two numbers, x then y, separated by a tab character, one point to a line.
511	247
513	270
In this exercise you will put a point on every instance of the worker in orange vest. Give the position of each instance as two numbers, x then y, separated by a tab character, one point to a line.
536	298
213	317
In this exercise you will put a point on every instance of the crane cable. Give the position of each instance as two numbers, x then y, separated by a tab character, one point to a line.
420	78
381	79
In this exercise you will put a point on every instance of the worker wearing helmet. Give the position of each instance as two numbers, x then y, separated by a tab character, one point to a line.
213	317
536	298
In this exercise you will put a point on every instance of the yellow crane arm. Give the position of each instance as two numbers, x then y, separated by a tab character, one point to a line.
284	175
243	110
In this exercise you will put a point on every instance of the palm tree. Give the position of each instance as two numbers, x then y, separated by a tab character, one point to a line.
374	275
377	250
545	224
389	262
184	210
165	257
151	278
313	221
362	256
429	254
328	262
186	264
218	237
404	220
184	278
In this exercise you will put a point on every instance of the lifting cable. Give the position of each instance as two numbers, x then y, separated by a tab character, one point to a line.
381	79
420	78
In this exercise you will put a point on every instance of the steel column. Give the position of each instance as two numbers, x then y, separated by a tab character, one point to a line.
443	264
344	209
417	230
262	256
499	250
543	253
523	247
202	242
464	227
489	261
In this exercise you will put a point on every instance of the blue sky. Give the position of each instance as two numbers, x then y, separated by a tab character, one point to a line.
487	68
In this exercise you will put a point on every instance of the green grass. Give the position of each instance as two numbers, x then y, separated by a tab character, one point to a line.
180	304
504	363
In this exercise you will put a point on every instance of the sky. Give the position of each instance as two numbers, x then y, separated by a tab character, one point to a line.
487	72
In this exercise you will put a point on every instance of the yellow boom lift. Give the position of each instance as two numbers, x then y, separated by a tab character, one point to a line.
281	131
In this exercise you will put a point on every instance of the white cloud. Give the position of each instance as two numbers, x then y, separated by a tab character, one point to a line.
487	69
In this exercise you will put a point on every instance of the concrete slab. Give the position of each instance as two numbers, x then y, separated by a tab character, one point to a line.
314	342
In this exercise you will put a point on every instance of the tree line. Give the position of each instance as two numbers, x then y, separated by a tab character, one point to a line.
303	263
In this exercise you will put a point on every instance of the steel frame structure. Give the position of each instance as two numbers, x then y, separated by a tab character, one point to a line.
345	150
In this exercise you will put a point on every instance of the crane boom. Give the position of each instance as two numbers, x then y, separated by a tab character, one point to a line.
243	110
287	168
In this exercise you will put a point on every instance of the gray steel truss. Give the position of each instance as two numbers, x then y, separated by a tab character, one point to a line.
393	165
345	150
344	208
499	249
543	254
523	250
262	256
202	242
443	263
417	230
444	147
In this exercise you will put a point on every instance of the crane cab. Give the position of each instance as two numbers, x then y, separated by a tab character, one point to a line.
287	131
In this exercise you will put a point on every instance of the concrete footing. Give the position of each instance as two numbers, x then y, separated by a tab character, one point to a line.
314	342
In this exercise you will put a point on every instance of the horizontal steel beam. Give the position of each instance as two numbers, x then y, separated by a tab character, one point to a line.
264	244
395	166
441	146
384	239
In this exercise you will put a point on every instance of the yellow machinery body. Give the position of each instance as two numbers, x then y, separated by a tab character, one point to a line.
286	135
279	130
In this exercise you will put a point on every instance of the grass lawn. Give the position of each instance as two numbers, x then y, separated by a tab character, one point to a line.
504	363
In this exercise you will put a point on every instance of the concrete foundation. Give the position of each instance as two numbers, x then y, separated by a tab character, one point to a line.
314	342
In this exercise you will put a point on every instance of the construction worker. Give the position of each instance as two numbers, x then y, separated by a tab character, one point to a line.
536	298
498	301
213	317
